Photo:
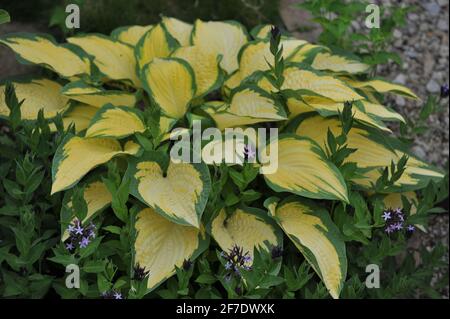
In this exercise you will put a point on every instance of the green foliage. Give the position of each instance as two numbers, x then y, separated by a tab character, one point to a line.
4	16
336	17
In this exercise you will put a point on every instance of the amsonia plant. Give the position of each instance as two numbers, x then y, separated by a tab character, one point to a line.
120	96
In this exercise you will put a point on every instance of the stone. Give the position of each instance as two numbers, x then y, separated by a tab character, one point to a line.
442	25
400	79
433	86
433	8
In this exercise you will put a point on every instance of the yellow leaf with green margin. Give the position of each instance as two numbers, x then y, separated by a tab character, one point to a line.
97	197
98	97
248	228
302	169
373	153
66	60
113	58
316	236
324	85
130	34
180	30
178	191
76	156
37	94
78	114
221	38
162	245
382	86
335	63
208	75
115	121
262	31
171	85
249	105
156	43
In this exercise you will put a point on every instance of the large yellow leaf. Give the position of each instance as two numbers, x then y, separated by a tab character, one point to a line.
113	58
326	61
327	107
156	43
98	97
97	197
318	239
248	105
179	192
130	34
162	245
324	85
180	30
224	38
171	84
373	153
302	169
383	87
381	111
65	60
115	121
37	94
79	115
248	228
76	156
208	75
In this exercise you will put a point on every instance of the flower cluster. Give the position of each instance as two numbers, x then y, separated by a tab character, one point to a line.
236	260
79	235
112	294
395	221
140	273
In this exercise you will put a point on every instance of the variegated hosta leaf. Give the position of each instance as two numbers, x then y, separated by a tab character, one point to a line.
306	51
161	245
116	121
79	115
381	111
113	58
327	107
248	228
316	236
255	56
336	63
218	151
171	85
180	30
38	94
262	31
248	105
302	168
156	43
324	85
79	91
179	193
221	38
208	75
130	34
76	156
66	60
372	153
97	197
382	86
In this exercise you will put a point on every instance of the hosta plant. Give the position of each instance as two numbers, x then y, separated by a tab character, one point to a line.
339	166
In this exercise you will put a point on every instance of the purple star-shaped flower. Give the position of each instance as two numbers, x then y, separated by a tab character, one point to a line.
250	152
84	242
228	265
386	216
411	228
117	295
92	234
79	230
398	226
69	246
71	228
389	229
247	259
